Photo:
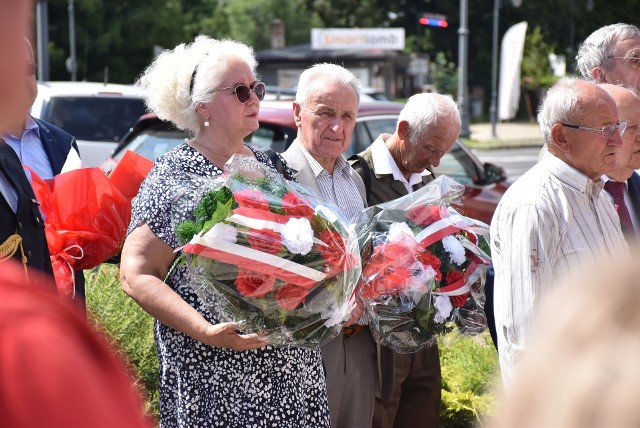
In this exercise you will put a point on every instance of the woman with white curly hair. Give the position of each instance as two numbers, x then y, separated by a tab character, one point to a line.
210	375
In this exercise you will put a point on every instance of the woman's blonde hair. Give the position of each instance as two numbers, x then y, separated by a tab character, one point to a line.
181	78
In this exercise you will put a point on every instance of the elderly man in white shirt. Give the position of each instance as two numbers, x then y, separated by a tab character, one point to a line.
394	166
555	219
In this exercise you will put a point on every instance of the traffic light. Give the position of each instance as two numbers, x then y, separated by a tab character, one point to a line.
433	20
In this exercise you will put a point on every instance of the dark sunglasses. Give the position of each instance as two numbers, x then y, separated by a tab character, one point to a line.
31	69
243	92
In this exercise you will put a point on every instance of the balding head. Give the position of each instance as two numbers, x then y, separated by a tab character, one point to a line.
572	118
628	157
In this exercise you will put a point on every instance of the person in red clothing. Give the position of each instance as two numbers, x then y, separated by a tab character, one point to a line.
55	371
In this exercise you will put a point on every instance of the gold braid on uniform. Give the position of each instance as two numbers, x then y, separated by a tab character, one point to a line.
9	247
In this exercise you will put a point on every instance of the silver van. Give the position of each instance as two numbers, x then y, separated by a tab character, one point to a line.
97	114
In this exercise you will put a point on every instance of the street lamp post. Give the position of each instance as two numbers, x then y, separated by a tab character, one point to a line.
493	108
72	61
463	39
42	39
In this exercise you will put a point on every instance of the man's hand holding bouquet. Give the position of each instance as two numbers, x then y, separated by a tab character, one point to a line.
425	273
263	253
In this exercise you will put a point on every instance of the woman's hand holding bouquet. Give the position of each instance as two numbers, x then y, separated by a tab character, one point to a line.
264	254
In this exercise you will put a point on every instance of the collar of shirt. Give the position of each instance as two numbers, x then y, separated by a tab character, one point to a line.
317	169
571	176
29	125
384	163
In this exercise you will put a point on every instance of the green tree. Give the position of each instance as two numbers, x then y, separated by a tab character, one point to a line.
535	69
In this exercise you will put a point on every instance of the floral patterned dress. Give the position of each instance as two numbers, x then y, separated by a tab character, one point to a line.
204	386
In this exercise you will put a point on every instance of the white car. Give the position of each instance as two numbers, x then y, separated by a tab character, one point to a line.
97	114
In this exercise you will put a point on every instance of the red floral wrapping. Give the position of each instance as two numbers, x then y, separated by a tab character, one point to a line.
263	253
86	216
426	269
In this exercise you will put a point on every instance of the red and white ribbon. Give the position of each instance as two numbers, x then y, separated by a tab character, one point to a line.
255	260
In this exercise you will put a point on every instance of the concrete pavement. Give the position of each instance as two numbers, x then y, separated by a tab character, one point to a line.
511	134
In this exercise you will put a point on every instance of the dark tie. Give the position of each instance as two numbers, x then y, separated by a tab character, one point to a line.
616	189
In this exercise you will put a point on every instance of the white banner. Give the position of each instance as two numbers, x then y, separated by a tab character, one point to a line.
511	51
357	38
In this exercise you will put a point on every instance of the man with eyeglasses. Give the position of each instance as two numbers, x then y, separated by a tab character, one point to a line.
611	54
39	145
555	219
623	182
392	167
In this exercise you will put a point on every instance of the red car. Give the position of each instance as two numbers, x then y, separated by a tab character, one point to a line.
484	183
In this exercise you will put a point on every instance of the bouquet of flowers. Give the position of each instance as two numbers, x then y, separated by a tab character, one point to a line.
265	254
86	214
426	270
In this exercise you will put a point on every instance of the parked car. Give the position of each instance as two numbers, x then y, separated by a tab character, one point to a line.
97	114
484	183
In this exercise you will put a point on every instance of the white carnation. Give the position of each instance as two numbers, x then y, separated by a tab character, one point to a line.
297	236
401	232
455	249
443	308
223	232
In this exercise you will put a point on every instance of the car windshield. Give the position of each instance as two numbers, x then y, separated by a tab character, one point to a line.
153	144
94	118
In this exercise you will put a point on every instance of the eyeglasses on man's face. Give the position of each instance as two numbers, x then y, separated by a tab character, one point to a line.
606	132
633	60
243	92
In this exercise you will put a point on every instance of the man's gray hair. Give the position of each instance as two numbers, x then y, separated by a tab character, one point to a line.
598	47
423	112
331	72
560	105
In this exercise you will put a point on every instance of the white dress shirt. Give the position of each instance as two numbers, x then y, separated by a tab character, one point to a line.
384	163
552	222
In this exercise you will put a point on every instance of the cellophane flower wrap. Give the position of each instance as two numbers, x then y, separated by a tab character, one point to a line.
426	268
265	254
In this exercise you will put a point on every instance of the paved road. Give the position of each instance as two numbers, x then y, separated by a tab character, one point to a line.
515	161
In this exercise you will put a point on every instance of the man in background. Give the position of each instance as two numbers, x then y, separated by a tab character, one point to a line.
21	226
623	182
611	54
394	166
325	111
39	145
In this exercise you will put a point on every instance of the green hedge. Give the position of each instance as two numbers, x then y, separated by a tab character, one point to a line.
468	363
127	326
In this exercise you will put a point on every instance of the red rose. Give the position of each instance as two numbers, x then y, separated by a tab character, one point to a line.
294	205
387	271
390	255
391	281
452	277
336	256
251	199
426	214
289	296
253	284
428	259
265	240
